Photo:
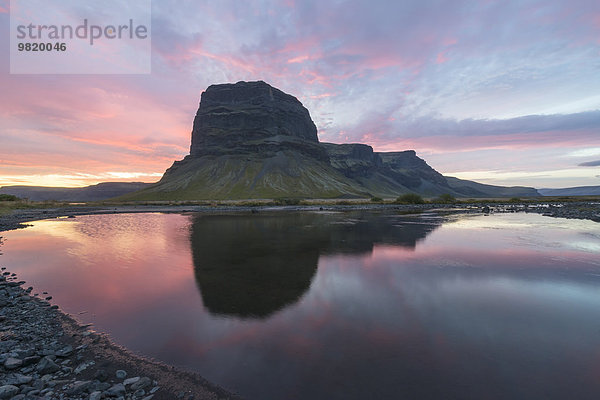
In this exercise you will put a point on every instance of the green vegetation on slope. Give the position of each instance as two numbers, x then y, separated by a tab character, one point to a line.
286	175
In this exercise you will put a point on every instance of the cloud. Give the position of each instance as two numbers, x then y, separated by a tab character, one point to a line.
587	152
590	164
433	76
382	130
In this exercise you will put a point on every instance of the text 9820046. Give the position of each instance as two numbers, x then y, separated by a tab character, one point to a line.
35	46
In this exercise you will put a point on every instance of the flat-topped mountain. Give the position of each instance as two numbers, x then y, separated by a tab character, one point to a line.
251	140
249	117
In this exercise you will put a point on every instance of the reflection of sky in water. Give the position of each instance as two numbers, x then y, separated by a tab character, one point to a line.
495	307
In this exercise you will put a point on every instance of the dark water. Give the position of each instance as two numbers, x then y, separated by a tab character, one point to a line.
337	305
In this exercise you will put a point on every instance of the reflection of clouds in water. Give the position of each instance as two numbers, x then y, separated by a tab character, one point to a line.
94	239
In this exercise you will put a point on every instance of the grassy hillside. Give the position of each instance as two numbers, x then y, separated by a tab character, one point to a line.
287	174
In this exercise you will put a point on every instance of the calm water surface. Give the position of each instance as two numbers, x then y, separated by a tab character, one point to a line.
336	305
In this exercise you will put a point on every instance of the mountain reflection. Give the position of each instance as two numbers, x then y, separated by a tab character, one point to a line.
251	266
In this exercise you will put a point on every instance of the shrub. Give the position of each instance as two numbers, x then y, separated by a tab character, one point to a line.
8	197
445	198
376	199
287	202
410	198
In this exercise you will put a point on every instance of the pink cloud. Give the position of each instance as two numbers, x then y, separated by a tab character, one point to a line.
322	96
520	141
298	59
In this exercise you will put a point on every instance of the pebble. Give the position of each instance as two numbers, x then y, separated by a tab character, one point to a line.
97	395
130	381
12	363
16	379
78	387
116	390
31	360
65	351
47	366
83	366
142	383
121	374
101	375
8	391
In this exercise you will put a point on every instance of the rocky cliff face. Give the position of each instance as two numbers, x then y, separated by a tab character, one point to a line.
412	171
250	118
354	160
251	140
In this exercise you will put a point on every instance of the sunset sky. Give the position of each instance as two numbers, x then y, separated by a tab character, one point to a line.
502	92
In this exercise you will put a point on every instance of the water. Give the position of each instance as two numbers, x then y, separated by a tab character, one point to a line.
336	305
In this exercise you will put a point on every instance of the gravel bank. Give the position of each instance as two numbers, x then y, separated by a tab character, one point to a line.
45	354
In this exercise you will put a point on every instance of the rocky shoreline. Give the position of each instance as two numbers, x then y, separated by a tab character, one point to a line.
46	354
589	210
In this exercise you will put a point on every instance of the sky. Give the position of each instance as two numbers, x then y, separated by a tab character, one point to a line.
502	92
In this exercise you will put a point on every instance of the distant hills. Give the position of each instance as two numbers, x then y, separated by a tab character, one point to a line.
251	140
101	191
573	191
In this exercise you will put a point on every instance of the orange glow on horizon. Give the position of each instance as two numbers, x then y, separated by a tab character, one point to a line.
78	180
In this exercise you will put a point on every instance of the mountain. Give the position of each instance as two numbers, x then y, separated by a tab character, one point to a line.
251	140
101	191
573	191
474	189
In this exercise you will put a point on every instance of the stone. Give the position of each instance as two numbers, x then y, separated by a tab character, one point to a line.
116	390
120	374
22	353
47	366
97	395
83	366
26	389
31	360
65	351
79	387
13	363
38	384
130	381
8	391
100	386
59	383
17	379
101	375
141	384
